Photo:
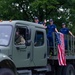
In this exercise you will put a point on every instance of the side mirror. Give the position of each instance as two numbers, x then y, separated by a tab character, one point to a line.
28	43
28	34
28	37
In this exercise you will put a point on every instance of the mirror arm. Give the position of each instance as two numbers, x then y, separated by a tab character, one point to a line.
28	43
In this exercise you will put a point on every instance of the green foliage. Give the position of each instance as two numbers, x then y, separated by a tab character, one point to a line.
46	7
59	10
14	9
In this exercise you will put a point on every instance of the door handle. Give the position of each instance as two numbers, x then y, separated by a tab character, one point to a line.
21	48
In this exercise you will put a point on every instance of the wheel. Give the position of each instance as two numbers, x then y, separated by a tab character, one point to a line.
49	73
59	70
68	70
5	71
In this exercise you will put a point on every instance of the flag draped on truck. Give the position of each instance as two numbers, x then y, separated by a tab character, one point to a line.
61	49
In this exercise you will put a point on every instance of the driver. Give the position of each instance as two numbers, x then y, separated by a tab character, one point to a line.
19	38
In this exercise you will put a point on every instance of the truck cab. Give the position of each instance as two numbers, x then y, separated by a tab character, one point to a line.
31	53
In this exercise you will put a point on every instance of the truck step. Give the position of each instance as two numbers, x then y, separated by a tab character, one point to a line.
24	72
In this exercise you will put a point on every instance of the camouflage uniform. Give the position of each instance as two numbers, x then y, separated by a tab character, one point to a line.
19	40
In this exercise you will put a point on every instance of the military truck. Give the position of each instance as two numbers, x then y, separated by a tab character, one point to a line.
35	56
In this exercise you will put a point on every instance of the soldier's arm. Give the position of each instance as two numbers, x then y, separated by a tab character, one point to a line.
22	40
71	33
56	30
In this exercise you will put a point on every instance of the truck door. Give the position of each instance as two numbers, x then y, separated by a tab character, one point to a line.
40	47
21	52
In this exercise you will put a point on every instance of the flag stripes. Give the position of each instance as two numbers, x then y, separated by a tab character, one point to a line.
61	49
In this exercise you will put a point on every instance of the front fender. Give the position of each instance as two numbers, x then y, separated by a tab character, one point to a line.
6	62
4	57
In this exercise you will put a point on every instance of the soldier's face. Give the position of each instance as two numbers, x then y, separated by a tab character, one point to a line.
51	22
36	20
64	26
17	33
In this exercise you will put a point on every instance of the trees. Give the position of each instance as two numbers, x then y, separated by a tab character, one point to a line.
15	9
59	10
45	8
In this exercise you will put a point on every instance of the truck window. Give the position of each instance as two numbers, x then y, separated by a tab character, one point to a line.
39	38
20	36
5	34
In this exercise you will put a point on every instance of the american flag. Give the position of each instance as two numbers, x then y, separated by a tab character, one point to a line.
61	49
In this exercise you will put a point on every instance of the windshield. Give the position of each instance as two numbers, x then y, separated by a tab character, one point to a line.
5	33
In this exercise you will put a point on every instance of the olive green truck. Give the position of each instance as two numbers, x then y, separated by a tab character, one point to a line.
34	57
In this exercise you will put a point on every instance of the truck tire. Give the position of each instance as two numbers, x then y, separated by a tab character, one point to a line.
59	70
6	71
68	70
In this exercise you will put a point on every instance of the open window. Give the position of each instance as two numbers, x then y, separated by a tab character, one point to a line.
22	35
